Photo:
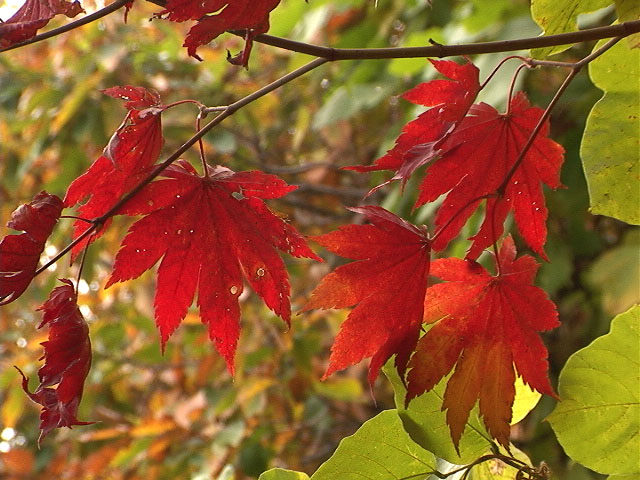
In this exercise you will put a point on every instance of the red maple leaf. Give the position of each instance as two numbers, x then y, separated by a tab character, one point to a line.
387	284
32	16
67	358
421	139
217	16
486	326
210	233
126	160
19	254
475	161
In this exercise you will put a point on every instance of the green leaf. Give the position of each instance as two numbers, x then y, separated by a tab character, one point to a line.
379	450
598	418
628	11
560	16
610	146
616	274
426	423
282	474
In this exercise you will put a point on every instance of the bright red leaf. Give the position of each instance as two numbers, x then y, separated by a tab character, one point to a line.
67	358
19	254
33	15
217	16
387	284
486	326
421	139
475	161
125	161
210	233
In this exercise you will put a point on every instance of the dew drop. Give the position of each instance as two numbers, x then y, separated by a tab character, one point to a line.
260	272
137	250
233	290
150	203
179	231
515	182
191	231
178	195
166	233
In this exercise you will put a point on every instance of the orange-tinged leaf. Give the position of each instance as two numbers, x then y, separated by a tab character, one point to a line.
387	284
487	327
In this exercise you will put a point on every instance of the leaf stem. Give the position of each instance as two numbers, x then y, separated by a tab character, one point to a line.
497	67
575	69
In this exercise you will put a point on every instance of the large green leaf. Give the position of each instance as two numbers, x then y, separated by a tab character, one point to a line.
426	423
610	146
379	450
282	474
616	274
598	420
560	16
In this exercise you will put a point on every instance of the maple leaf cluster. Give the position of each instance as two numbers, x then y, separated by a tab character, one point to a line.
485	326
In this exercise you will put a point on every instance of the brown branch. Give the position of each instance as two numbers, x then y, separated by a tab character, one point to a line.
118	4
333	54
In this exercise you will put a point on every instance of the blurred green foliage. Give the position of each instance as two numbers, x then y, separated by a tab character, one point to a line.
181	416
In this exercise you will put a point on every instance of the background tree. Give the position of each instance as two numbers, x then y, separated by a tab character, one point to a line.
180	415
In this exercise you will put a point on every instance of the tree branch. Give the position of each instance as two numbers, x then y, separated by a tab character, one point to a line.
333	54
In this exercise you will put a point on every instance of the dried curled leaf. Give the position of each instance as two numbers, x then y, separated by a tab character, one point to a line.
67	359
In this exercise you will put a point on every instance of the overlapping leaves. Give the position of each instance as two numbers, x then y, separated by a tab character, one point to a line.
470	152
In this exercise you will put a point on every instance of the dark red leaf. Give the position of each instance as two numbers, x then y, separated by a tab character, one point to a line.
210	233
387	284
217	16
33	15
67	357
486	326
19	254
126	160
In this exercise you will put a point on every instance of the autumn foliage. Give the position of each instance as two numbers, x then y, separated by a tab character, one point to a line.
212	232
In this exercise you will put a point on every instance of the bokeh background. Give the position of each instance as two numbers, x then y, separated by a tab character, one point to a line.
181	416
